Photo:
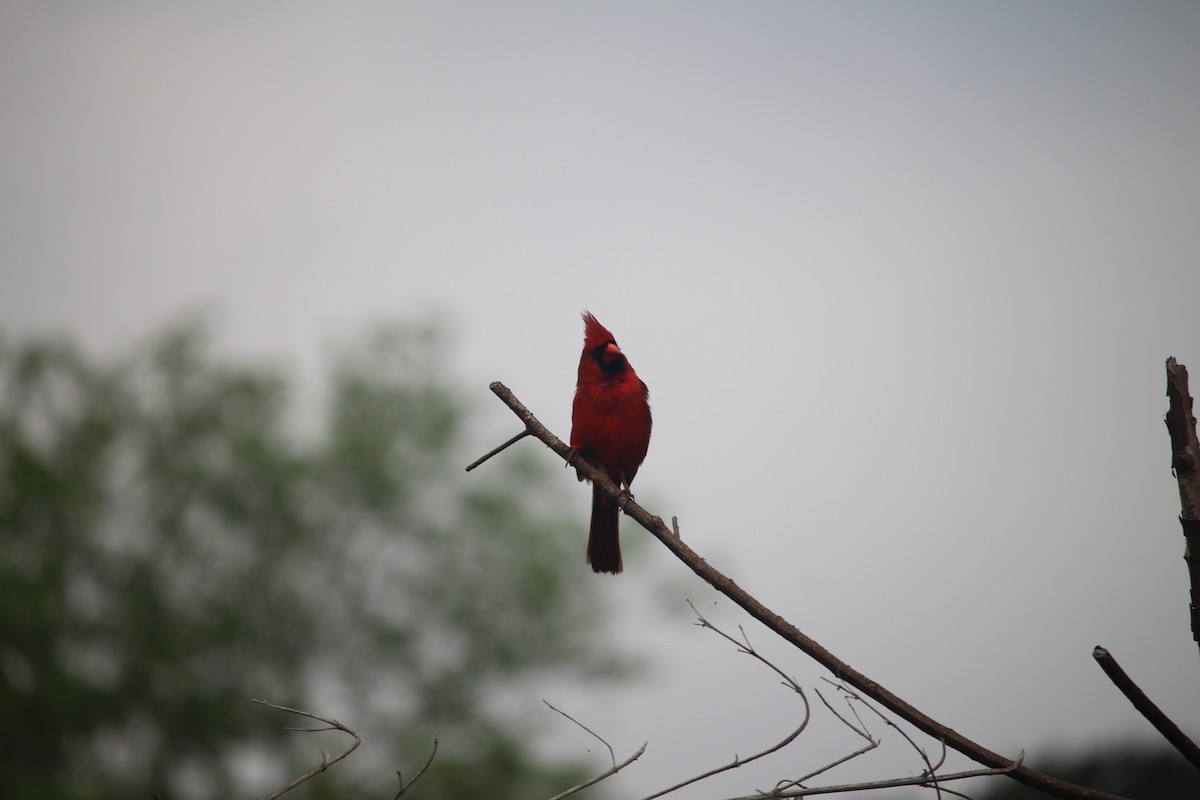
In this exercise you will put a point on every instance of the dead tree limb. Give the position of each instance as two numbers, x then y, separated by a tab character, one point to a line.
1146	707
1185	463
784	629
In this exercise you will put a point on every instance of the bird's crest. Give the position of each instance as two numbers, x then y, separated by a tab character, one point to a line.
594	334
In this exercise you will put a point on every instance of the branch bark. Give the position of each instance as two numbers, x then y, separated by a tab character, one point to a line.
1146	707
784	629
1185	463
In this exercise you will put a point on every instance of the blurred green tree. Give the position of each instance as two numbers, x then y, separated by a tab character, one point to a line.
173	546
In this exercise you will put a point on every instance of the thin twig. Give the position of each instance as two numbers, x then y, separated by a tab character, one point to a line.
597	736
837	762
871	744
948	790
928	778
1146	707
930	768
326	761
852	695
784	787
404	787
789	633
860	729
746	648
918	780
739	762
496	450
608	773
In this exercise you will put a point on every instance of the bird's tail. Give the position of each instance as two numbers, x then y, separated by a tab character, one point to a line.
604	542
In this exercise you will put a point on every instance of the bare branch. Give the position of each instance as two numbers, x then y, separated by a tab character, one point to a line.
781	627
946	790
1185	463
871	744
609	773
795	787
496	450
917	780
1146	707
404	787
837	762
598	737
1185	448
739	762
326	761
745	647
930	768
860	729
615	766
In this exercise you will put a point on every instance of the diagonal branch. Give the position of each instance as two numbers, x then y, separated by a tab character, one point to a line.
405	786
1185	463
496	450
606	774
784	629
1146	707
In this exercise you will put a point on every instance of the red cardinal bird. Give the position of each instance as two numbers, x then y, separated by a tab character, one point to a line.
610	426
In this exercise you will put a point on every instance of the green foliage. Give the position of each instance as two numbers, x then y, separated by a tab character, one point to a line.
173	548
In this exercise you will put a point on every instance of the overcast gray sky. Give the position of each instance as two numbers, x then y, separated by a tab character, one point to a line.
901	278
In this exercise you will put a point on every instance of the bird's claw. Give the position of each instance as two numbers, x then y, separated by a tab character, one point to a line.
623	498
572	460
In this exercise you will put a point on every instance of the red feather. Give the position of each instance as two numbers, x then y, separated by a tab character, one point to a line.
610	426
